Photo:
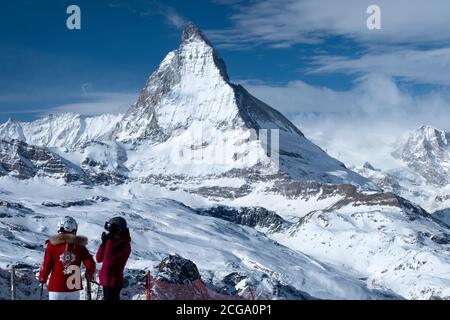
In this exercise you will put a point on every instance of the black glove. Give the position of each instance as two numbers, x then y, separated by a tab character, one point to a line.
105	238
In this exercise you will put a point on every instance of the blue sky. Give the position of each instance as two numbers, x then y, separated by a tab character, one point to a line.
316	61
45	65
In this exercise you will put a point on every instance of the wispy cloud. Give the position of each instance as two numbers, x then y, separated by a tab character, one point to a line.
88	104
146	8
298	21
422	66
172	16
360	124
97	103
227	2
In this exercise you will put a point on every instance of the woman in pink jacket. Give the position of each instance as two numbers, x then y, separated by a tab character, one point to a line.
113	253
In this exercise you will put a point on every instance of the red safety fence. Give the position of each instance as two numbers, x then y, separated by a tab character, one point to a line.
196	290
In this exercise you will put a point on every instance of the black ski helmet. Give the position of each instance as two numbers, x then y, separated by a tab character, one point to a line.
116	224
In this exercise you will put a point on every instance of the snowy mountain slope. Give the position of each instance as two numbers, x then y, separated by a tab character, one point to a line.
66	130
383	238
443	216
103	162
410	185
85	142
376	238
160	226
423	179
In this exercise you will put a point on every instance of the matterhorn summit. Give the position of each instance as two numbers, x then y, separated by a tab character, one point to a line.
190	109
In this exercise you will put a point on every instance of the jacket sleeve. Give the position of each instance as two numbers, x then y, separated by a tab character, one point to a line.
109	260
100	253
89	263
47	265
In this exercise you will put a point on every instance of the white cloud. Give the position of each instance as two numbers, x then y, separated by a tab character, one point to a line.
171	15
297	21
145	8
175	19
371	94
360	124
97	103
422	66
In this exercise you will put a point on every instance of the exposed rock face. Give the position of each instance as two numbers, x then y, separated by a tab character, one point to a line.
252	217
261	289
68	204
178	270
25	161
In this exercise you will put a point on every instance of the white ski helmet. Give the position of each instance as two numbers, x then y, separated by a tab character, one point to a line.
67	224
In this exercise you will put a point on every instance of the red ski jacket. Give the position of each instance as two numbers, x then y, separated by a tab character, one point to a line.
114	256
63	251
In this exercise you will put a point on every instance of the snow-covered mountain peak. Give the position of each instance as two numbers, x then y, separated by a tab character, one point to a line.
188	105
192	33
368	166
193	39
190	85
429	135
12	129
426	150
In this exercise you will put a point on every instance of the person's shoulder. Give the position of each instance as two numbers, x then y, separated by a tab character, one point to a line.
48	244
126	235
68	238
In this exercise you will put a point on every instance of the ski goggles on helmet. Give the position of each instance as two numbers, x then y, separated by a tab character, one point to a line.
111	227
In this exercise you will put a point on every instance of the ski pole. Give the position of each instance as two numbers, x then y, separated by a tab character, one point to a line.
88	289
42	289
98	291
149	288
13	283
252	296
98	288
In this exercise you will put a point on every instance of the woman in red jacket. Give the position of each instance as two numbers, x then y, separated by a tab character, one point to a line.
63	256
113	253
